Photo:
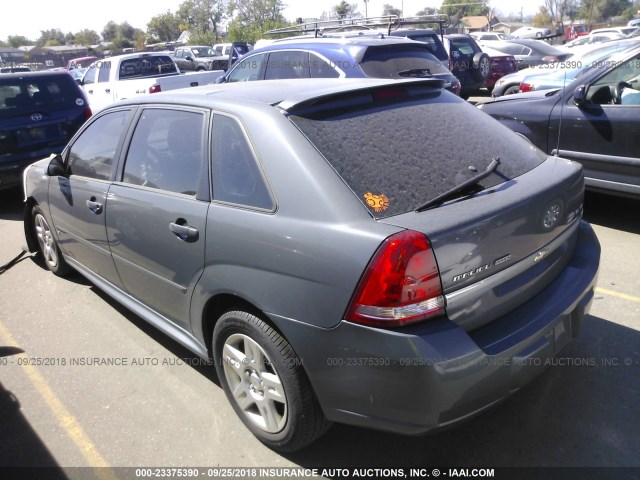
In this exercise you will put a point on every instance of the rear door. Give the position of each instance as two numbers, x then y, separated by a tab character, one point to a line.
78	200
157	212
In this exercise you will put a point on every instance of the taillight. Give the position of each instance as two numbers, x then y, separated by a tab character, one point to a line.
155	88
550	59
87	113
525	87
401	284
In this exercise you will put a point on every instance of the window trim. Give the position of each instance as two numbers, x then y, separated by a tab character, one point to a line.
119	146
203	192
256	158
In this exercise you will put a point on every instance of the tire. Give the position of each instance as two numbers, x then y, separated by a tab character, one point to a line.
48	249
265	383
481	67
513	89
538	34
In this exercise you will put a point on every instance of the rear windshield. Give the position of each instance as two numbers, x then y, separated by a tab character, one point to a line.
20	95
466	46
432	41
147	67
396	61
397	155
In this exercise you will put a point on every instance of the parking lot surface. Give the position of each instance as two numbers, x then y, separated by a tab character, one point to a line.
84	382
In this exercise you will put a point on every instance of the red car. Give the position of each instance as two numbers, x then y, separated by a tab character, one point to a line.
501	65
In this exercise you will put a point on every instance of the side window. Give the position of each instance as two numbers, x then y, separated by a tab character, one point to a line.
103	74
287	64
247	70
620	86
166	151
90	76
321	68
91	155
236	175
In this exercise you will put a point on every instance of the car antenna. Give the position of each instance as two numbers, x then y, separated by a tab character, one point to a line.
562	100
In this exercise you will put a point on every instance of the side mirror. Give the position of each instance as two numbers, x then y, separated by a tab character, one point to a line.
580	96
221	79
189	57
56	167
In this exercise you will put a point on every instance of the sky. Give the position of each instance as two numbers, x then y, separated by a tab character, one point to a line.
28	19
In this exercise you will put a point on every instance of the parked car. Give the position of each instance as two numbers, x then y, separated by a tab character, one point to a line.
635	22
39	113
565	71
489	36
500	64
576	66
595	120
81	62
530	32
125	76
459	53
624	31
530	53
193	58
333	271
342	57
593	39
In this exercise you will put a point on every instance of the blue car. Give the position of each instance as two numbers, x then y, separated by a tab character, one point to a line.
356	57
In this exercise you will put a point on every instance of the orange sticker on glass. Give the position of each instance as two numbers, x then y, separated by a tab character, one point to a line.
378	202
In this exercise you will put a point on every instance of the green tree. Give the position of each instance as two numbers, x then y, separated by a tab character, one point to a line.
344	9
110	31
427	11
254	17
52	37
16	41
164	27
203	18
543	18
466	8
391	10
87	37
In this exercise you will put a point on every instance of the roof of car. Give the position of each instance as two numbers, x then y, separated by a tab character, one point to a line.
285	93
364	40
44	73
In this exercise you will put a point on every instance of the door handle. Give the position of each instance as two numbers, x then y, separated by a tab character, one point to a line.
91	91
94	206
107	90
184	232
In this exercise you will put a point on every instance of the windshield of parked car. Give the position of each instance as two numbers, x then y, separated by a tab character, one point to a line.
393	61
203	52
147	66
410	150
27	95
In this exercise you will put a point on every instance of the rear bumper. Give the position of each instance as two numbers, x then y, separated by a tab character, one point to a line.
436	374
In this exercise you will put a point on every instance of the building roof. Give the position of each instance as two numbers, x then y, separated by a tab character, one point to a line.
476	22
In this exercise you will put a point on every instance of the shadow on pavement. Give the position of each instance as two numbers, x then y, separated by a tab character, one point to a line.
619	213
11	204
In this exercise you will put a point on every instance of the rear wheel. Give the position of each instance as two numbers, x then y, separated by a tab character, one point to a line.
481	66
512	90
48	248
265	383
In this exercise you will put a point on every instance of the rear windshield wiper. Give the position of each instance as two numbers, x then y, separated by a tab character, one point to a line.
416	72
457	191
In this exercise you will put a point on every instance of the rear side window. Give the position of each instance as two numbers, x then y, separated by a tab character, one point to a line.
25	95
397	155
394	61
236	175
166	151
91	155
287	64
146	67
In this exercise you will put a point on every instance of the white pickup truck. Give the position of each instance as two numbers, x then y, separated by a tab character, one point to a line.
125	76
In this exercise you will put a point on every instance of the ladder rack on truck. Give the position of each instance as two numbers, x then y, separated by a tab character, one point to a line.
390	22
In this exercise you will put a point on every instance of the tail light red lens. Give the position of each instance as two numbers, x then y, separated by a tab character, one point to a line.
87	113
525	87
155	88
550	59
400	286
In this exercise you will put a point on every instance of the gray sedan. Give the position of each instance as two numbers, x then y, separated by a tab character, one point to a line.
334	246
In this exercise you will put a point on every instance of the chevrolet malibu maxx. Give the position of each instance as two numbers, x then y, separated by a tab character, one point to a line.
329	244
